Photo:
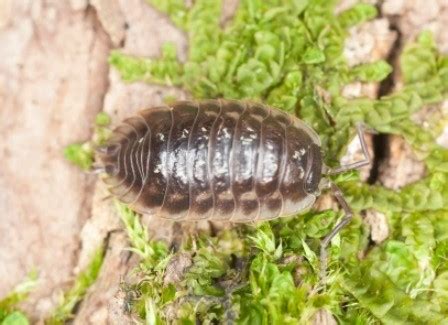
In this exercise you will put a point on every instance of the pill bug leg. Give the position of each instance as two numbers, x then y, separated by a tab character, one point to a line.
348	213
357	164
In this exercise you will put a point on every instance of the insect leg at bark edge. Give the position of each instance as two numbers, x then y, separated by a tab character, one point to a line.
348	213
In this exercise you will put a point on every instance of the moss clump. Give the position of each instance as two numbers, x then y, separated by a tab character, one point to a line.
285	53
82	154
71	298
10	314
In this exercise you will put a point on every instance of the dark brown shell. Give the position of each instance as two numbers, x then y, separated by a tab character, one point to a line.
217	160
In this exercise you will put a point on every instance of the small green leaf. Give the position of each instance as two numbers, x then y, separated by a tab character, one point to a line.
264	239
15	318
320	224
313	55
419	61
371	72
253	77
311	257
79	154
166	70
357	14
102	119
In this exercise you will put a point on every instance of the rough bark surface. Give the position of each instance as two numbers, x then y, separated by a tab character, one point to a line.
105	303
50	91
54	78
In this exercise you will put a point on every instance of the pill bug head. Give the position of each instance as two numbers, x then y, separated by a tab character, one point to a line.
313	171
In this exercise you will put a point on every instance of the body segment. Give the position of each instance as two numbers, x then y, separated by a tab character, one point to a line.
217	160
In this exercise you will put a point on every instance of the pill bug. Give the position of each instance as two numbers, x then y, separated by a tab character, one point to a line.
219	160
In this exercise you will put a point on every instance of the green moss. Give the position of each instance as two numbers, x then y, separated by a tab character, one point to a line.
102	119
149	292
9	311
290	54
71	298
15	318
82	154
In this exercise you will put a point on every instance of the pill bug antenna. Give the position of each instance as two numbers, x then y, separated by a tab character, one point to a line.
357	164
101	149
110	149
348	213
97	169
105	159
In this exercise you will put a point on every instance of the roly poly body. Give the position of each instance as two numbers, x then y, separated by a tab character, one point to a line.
221	160
216	160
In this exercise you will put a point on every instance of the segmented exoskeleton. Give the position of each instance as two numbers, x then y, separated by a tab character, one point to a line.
219	160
